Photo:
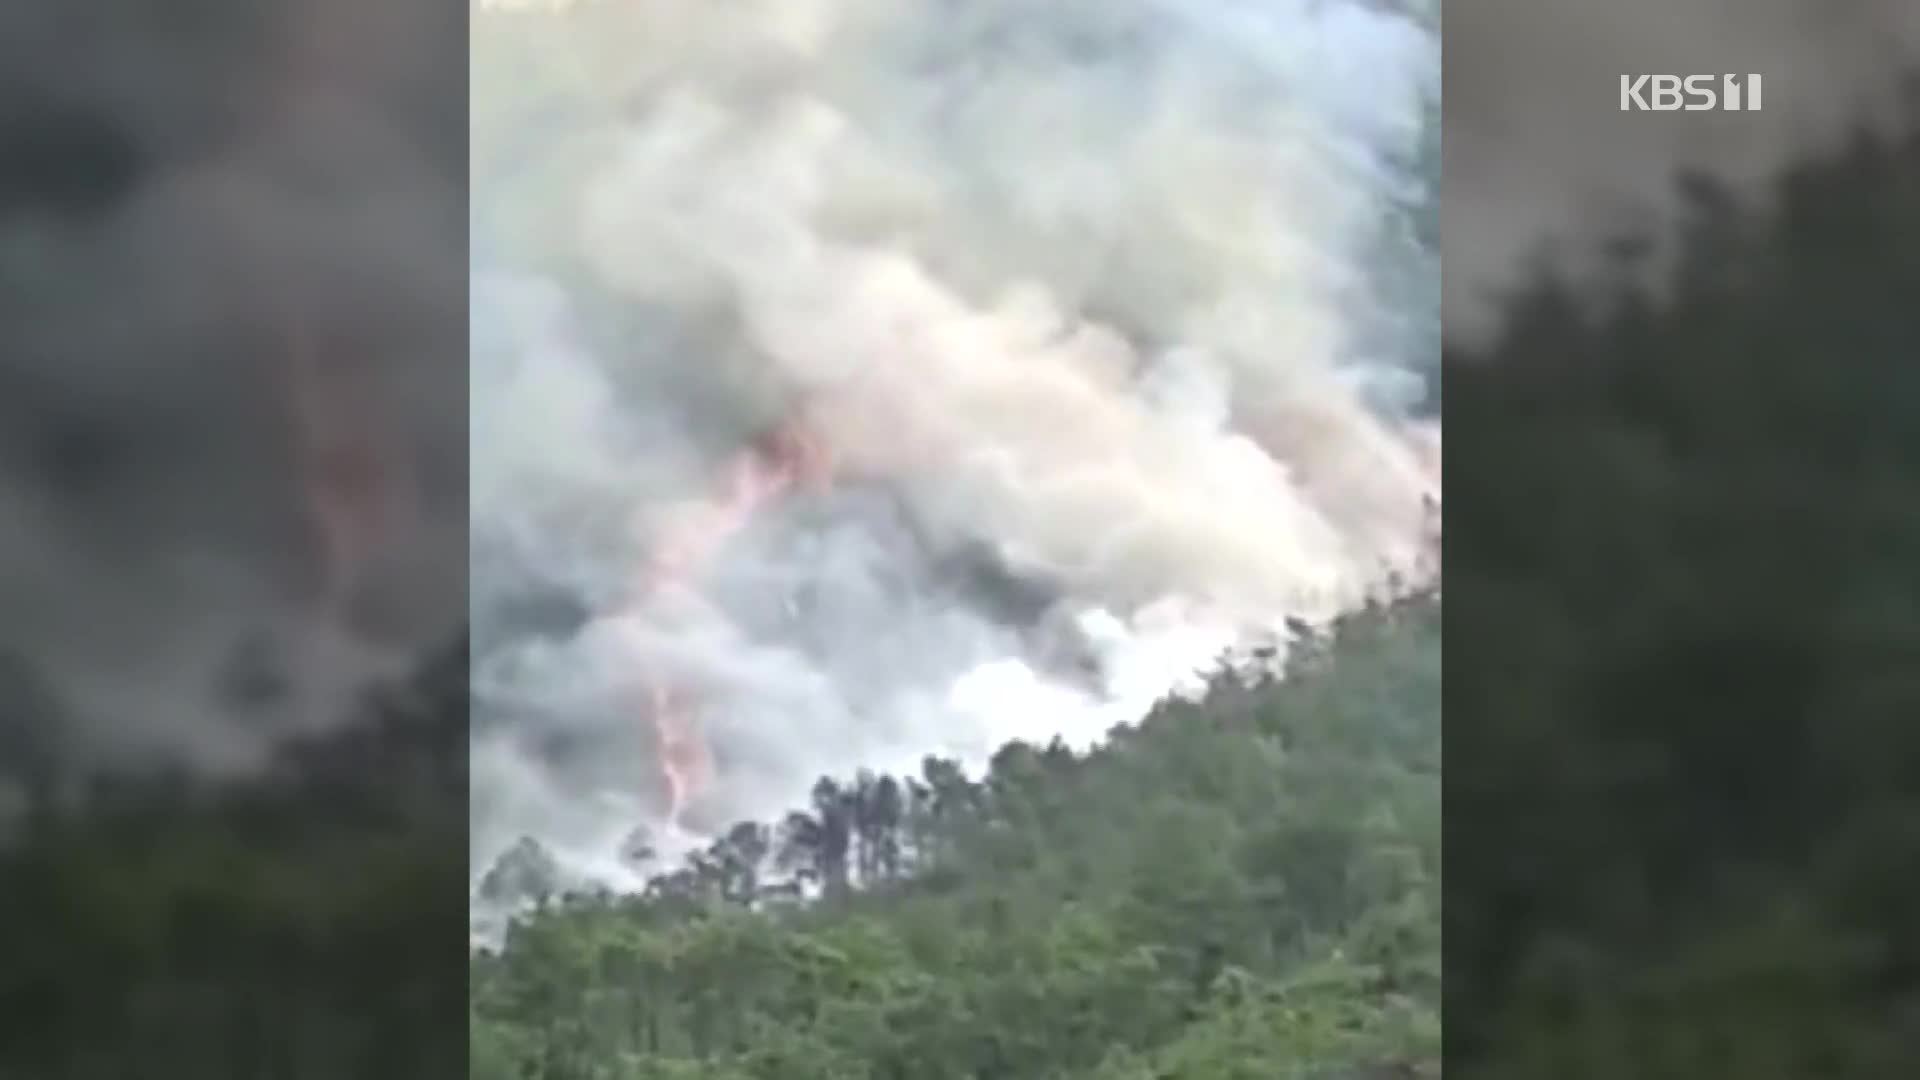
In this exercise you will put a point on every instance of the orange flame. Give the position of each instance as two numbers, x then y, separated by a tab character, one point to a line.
770	468
685	760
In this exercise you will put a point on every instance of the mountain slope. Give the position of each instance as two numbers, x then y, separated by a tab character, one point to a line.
1243	886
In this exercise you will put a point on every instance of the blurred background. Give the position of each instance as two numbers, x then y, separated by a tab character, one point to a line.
1683	787
232	539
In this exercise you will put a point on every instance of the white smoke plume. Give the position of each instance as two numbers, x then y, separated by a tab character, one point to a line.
1541	163
864	379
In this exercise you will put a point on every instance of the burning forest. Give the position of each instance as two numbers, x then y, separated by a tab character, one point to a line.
858	380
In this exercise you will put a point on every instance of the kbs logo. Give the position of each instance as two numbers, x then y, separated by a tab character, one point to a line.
1694	93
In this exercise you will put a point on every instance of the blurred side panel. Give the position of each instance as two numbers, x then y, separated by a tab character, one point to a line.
1683	777
233	496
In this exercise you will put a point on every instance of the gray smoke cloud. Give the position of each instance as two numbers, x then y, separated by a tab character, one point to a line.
1071	304
218	225
1542	164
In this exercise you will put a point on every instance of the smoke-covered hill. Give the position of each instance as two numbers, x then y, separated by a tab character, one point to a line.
863	379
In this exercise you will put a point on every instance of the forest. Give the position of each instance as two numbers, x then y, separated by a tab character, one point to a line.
1243	886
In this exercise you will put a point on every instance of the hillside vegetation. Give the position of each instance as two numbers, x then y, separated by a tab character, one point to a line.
1246	886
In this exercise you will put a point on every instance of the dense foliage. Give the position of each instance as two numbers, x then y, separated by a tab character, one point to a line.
1683	790
1241	887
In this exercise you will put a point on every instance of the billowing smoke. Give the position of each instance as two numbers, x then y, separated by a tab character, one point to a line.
865	379
230	498
1544	167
